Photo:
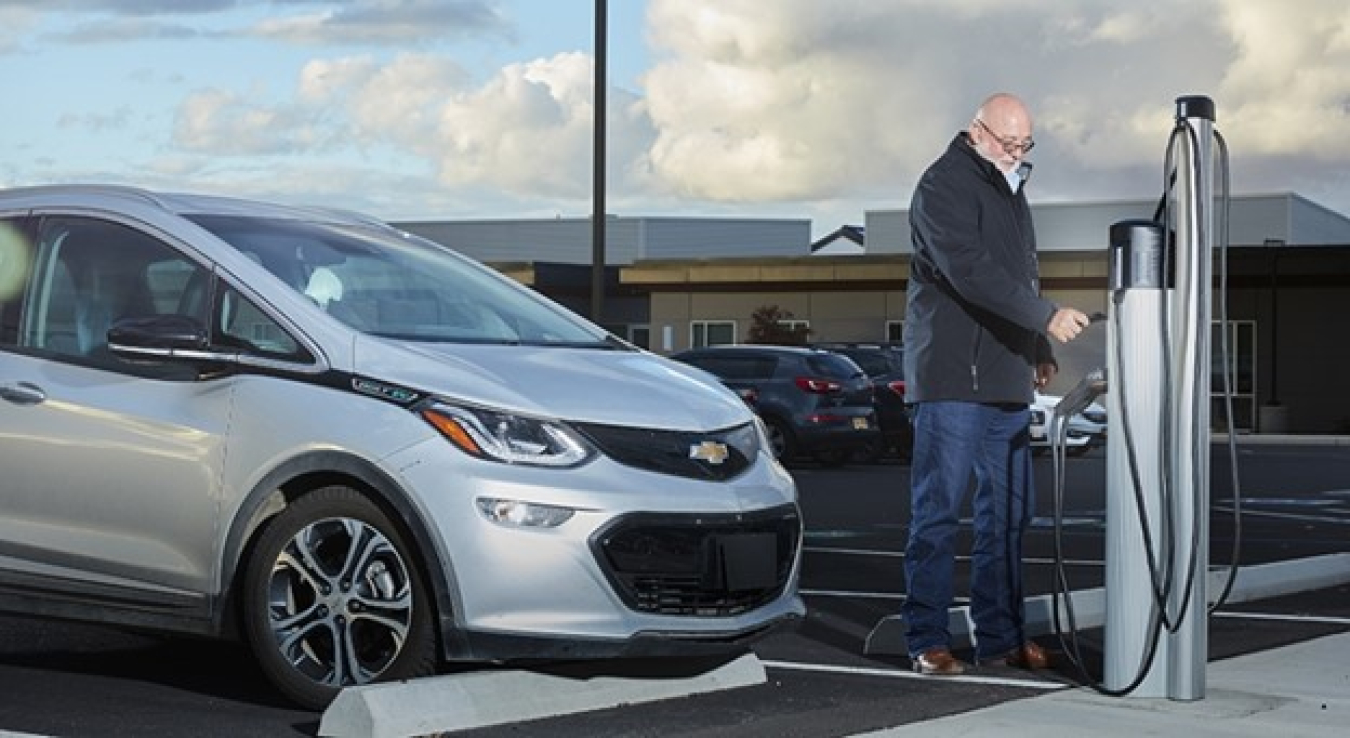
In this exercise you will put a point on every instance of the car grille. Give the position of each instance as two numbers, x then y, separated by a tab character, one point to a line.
715	455
698	565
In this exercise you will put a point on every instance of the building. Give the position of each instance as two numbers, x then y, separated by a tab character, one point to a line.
673	283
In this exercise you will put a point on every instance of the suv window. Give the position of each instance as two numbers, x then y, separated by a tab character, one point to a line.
831	365
875	360
873	363
737	367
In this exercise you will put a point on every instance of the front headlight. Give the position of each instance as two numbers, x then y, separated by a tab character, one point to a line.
506	437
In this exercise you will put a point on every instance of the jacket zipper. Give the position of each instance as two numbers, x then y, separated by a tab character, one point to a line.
975	361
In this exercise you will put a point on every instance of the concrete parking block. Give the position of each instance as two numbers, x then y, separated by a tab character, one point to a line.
438	704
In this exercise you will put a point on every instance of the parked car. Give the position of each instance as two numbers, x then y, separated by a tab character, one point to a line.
884	363
359	451
813	402
1084	431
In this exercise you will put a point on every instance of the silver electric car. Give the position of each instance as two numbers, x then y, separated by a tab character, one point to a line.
358	451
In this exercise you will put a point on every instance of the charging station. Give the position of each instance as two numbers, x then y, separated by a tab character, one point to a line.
1158	433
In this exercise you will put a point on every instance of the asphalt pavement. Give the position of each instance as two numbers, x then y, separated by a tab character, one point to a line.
1277	650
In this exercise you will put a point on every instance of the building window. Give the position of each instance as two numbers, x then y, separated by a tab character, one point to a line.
895	330
795	326
638	334
1241	369
711	333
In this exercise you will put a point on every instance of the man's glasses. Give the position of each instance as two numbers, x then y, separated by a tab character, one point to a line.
1010	146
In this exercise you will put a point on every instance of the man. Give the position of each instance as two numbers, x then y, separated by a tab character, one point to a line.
976	332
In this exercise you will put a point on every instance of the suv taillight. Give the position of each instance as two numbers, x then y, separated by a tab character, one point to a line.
817	385
897	386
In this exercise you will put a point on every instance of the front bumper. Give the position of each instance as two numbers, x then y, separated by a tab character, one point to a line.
649	563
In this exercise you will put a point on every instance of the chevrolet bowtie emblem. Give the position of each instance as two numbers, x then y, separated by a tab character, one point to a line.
710	451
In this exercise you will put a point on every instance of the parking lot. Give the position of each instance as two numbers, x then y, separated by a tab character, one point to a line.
65	680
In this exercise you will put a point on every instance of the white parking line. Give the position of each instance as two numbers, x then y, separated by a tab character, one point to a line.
901	555
1281	617
850	593
902	674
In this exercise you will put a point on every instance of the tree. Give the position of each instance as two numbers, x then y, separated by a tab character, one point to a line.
768	325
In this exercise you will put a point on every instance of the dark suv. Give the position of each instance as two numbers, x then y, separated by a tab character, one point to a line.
885	365
814	402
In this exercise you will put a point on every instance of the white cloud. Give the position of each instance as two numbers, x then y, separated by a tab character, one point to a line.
227	123
793	107
1288	87
396	102
527	130
388	22
805	100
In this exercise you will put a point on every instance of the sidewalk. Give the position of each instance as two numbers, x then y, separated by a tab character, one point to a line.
1299	691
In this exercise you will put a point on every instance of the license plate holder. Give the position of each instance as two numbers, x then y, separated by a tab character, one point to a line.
742	561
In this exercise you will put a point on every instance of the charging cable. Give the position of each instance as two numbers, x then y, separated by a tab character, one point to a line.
1161	565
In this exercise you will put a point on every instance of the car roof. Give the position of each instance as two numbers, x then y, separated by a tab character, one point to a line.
110	196
749	347
878	345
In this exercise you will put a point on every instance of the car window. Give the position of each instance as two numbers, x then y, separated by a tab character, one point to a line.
89	273
873	364
16	256
832	365
243	325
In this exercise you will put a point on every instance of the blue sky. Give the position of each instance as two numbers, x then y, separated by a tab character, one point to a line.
791	108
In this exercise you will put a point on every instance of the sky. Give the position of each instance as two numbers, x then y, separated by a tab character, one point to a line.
473	109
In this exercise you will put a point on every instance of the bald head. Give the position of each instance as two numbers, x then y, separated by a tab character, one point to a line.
1001	130
1005	112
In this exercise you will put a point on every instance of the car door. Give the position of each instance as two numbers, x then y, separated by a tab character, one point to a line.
108	469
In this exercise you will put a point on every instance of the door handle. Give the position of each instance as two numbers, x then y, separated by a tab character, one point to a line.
22	393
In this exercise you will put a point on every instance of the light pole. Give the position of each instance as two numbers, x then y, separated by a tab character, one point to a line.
598	172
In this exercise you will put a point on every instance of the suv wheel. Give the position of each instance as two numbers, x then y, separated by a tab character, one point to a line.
332	599
780	438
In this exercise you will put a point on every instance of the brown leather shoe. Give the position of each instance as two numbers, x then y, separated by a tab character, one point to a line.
1028	656
938	661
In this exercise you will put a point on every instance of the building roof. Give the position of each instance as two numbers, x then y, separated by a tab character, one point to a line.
1254	220
847	239
627	239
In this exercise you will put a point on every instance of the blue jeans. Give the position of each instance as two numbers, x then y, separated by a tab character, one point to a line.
952	441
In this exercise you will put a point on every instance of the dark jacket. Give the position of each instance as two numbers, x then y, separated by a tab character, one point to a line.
975	325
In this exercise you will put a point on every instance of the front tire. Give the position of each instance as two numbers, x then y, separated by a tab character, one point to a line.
333	598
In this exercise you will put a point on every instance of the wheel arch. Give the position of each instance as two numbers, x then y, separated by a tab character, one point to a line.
308	472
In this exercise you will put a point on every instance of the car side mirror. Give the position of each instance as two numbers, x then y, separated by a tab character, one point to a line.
159	338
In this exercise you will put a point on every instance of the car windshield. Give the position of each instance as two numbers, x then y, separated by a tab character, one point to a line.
395	285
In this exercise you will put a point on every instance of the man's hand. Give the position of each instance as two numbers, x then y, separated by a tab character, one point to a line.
1066	324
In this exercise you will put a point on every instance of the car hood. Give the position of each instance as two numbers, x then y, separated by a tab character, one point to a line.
595	385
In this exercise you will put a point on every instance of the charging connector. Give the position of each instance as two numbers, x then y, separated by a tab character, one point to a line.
1089	388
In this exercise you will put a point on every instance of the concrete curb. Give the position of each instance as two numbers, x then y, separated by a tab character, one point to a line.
459	702
1281	439
1089	606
